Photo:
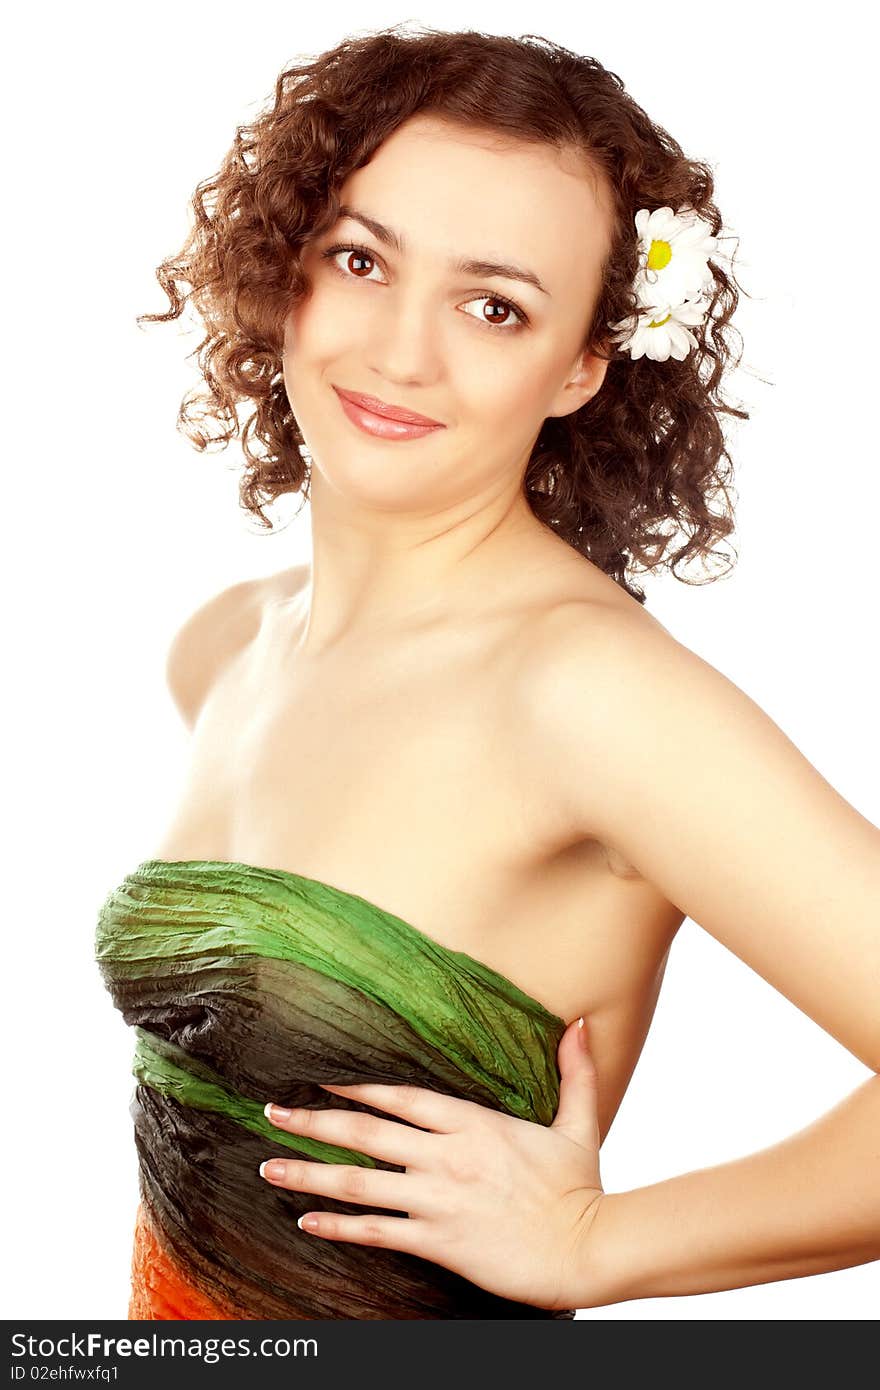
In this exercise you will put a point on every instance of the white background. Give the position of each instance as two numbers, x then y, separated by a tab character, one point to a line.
115	528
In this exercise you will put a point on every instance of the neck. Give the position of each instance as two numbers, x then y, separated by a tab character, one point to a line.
380	573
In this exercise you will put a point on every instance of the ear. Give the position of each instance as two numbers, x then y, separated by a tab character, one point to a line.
582	383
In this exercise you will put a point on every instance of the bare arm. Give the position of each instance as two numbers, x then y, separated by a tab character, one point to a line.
804	1206
665	759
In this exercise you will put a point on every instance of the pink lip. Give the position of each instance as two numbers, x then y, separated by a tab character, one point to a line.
388	412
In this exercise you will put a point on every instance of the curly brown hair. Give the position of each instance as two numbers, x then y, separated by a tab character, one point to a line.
623	477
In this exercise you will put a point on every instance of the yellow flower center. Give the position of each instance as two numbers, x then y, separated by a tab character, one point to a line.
659	255
658	323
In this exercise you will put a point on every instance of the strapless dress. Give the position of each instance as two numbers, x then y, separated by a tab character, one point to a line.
245	985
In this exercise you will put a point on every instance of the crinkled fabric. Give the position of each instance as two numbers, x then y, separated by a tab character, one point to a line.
245	985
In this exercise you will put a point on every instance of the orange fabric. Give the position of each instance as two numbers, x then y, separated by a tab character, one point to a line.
160	1290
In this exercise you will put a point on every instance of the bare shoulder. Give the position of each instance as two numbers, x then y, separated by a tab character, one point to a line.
588	673
216	631
656	752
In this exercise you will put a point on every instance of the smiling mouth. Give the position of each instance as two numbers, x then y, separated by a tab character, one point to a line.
386	411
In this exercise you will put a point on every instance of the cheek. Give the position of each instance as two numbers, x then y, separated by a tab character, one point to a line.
312	329
504	390
315	344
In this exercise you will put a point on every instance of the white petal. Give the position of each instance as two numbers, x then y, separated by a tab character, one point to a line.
691	232
682	225
689	260
690	312
648	296
682	278
662	217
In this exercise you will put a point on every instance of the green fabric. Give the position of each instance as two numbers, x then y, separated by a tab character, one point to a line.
247	984
166	1068
492	1030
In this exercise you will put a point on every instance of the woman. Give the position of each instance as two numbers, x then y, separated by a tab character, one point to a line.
453	790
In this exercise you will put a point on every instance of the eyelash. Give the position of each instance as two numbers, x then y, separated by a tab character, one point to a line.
498	298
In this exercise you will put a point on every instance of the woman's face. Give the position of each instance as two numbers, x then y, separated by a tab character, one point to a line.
410	327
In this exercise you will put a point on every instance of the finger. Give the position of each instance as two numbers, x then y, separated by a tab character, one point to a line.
347	1182
366	1134
428	1109
387	1232
577	1113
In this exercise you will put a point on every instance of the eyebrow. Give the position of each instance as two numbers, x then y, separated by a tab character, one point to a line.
465	265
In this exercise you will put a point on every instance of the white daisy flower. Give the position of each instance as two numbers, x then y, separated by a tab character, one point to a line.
674	250
671	283
662	333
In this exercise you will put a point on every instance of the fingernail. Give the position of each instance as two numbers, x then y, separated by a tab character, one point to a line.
582	1032
309	1222
272	1168
276	1113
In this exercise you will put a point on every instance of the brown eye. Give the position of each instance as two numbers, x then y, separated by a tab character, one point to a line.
359	262
500	311
356	256
505	313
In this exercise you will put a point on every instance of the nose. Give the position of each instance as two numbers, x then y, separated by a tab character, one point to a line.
404	342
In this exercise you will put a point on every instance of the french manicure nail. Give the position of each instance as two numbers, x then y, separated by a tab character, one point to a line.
277	1113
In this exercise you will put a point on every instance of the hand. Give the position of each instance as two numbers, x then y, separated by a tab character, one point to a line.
507	1203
